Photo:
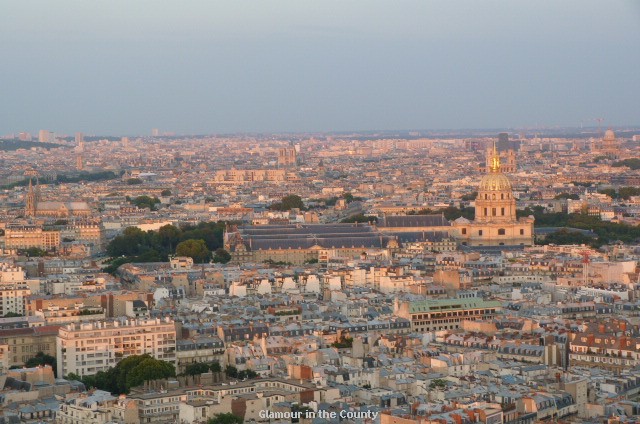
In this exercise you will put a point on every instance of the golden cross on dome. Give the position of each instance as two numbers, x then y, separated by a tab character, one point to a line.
495	159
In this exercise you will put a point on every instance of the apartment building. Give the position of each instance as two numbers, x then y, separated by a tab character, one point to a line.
25	343
26	236
86	348
13	290
445	314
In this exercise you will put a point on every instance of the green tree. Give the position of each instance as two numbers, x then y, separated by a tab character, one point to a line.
169	236
134	181
626	192
469	197
41	359
231	371
215	367
33	252
144	201
359	217
149	369
565	236
196	368
221	256
195	249
227	418
633	163
12	315
166	192
287	203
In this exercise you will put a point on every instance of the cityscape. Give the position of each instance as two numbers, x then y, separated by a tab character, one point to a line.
213	270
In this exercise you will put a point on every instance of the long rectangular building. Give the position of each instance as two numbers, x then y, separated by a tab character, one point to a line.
446	314
89	347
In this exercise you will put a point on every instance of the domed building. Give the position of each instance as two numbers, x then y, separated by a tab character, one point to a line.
609	145
495	222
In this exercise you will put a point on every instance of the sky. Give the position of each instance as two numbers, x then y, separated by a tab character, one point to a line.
123	67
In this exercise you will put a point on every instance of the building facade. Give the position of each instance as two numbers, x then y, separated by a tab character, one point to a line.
86	348
495	222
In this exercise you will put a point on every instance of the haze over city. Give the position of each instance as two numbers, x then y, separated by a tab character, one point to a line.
199	67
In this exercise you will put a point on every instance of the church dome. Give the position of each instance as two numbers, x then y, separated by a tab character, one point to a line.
609	135
495	182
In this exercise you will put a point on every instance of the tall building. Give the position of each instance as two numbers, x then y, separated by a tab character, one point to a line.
79	138
495	223
45	136
86	348
155	132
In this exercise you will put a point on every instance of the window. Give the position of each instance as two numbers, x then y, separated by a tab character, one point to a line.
479	232
502	209
493	211
502	196
521	231
501	231
485	212
464	231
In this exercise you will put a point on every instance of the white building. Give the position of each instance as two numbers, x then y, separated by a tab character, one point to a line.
86	348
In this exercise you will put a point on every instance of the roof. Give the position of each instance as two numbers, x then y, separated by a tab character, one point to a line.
437	305
436	220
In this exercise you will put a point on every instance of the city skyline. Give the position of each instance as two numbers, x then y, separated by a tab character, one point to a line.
349	66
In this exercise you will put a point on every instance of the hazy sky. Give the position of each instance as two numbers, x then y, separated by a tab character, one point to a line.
124	67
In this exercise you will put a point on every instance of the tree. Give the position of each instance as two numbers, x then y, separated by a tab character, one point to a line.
149	369
221	256
469	197
166	192
227	418
359	217
41	358
196	368
169	236
287	203
134	181
34	252
12	315
146	202
195	249
231	371
633	163
565	236
130	372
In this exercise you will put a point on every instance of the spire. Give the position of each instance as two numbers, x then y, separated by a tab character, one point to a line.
495	159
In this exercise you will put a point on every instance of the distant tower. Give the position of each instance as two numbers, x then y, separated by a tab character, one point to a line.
80	151
287	157
508	166
79	162
43	136
125	141
31	201
155	132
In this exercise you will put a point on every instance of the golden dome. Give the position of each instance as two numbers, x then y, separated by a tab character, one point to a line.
495	182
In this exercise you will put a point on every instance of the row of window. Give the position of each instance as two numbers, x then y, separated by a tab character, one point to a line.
501	231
